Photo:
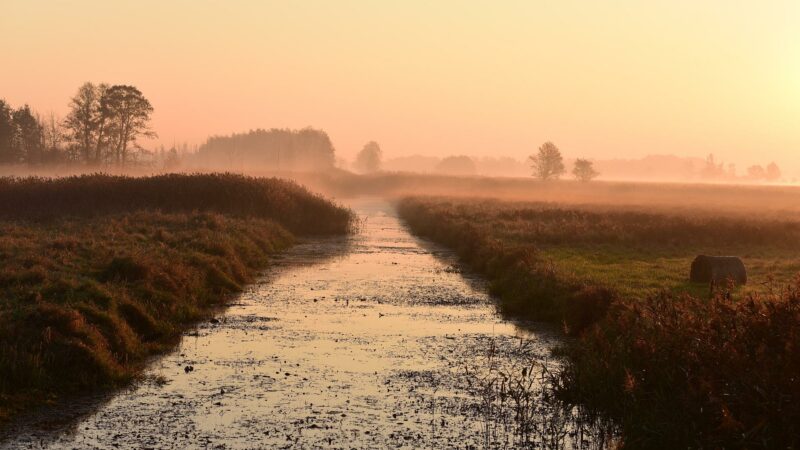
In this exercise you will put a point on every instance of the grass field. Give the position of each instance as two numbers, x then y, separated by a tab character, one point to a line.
777	201
675	365
633	252
99	272
637	252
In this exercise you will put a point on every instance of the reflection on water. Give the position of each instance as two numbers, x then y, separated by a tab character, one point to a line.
361	342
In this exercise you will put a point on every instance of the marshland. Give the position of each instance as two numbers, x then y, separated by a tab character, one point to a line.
358	224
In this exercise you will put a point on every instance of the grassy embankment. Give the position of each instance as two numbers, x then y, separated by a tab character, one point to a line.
674	367
99	272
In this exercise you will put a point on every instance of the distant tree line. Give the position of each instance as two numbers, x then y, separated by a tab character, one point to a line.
24	136
713	170
102	128
274	149
548	164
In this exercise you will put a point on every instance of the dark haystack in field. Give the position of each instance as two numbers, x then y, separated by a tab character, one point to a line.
706	269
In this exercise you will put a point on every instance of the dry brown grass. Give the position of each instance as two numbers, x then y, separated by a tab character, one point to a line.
99	272
674	367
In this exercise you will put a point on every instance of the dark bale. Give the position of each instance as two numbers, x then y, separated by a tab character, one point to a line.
706	269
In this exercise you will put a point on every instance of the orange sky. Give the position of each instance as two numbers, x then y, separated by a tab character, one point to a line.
601	79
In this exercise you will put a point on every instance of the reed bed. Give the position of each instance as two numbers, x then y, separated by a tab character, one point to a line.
100	272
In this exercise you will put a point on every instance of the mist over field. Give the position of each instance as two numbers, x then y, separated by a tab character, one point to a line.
354	224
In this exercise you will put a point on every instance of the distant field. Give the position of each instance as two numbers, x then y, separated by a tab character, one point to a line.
780	201
675	366
99	272
730	200
637	252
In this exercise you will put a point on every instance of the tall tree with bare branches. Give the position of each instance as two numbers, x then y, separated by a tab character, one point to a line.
129	119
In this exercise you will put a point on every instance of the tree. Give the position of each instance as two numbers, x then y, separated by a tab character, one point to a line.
29	136
102	119
548	163
773	172
128	118
369	158
584	170
53	139
82	121
7	131
105	122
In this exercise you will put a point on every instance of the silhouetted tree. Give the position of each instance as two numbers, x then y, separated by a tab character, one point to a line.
29	136
547	163
7	131
773	172
370	157
128	118
83	122
102	126
584	170
53	139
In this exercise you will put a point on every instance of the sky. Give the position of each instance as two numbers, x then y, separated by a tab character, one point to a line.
601	79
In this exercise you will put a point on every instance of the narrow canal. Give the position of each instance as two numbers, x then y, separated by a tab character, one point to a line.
375	340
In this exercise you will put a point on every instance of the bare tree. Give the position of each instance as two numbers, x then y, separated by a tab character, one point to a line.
101	125
54	134
547	163
369	158
81	121
128	113
584	170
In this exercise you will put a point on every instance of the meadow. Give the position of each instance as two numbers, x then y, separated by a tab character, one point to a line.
674	363
100	272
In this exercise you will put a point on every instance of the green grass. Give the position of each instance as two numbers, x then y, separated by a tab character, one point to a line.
92	286
637	252
641	273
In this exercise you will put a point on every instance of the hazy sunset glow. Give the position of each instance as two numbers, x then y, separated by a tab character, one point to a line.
602	79
561	224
